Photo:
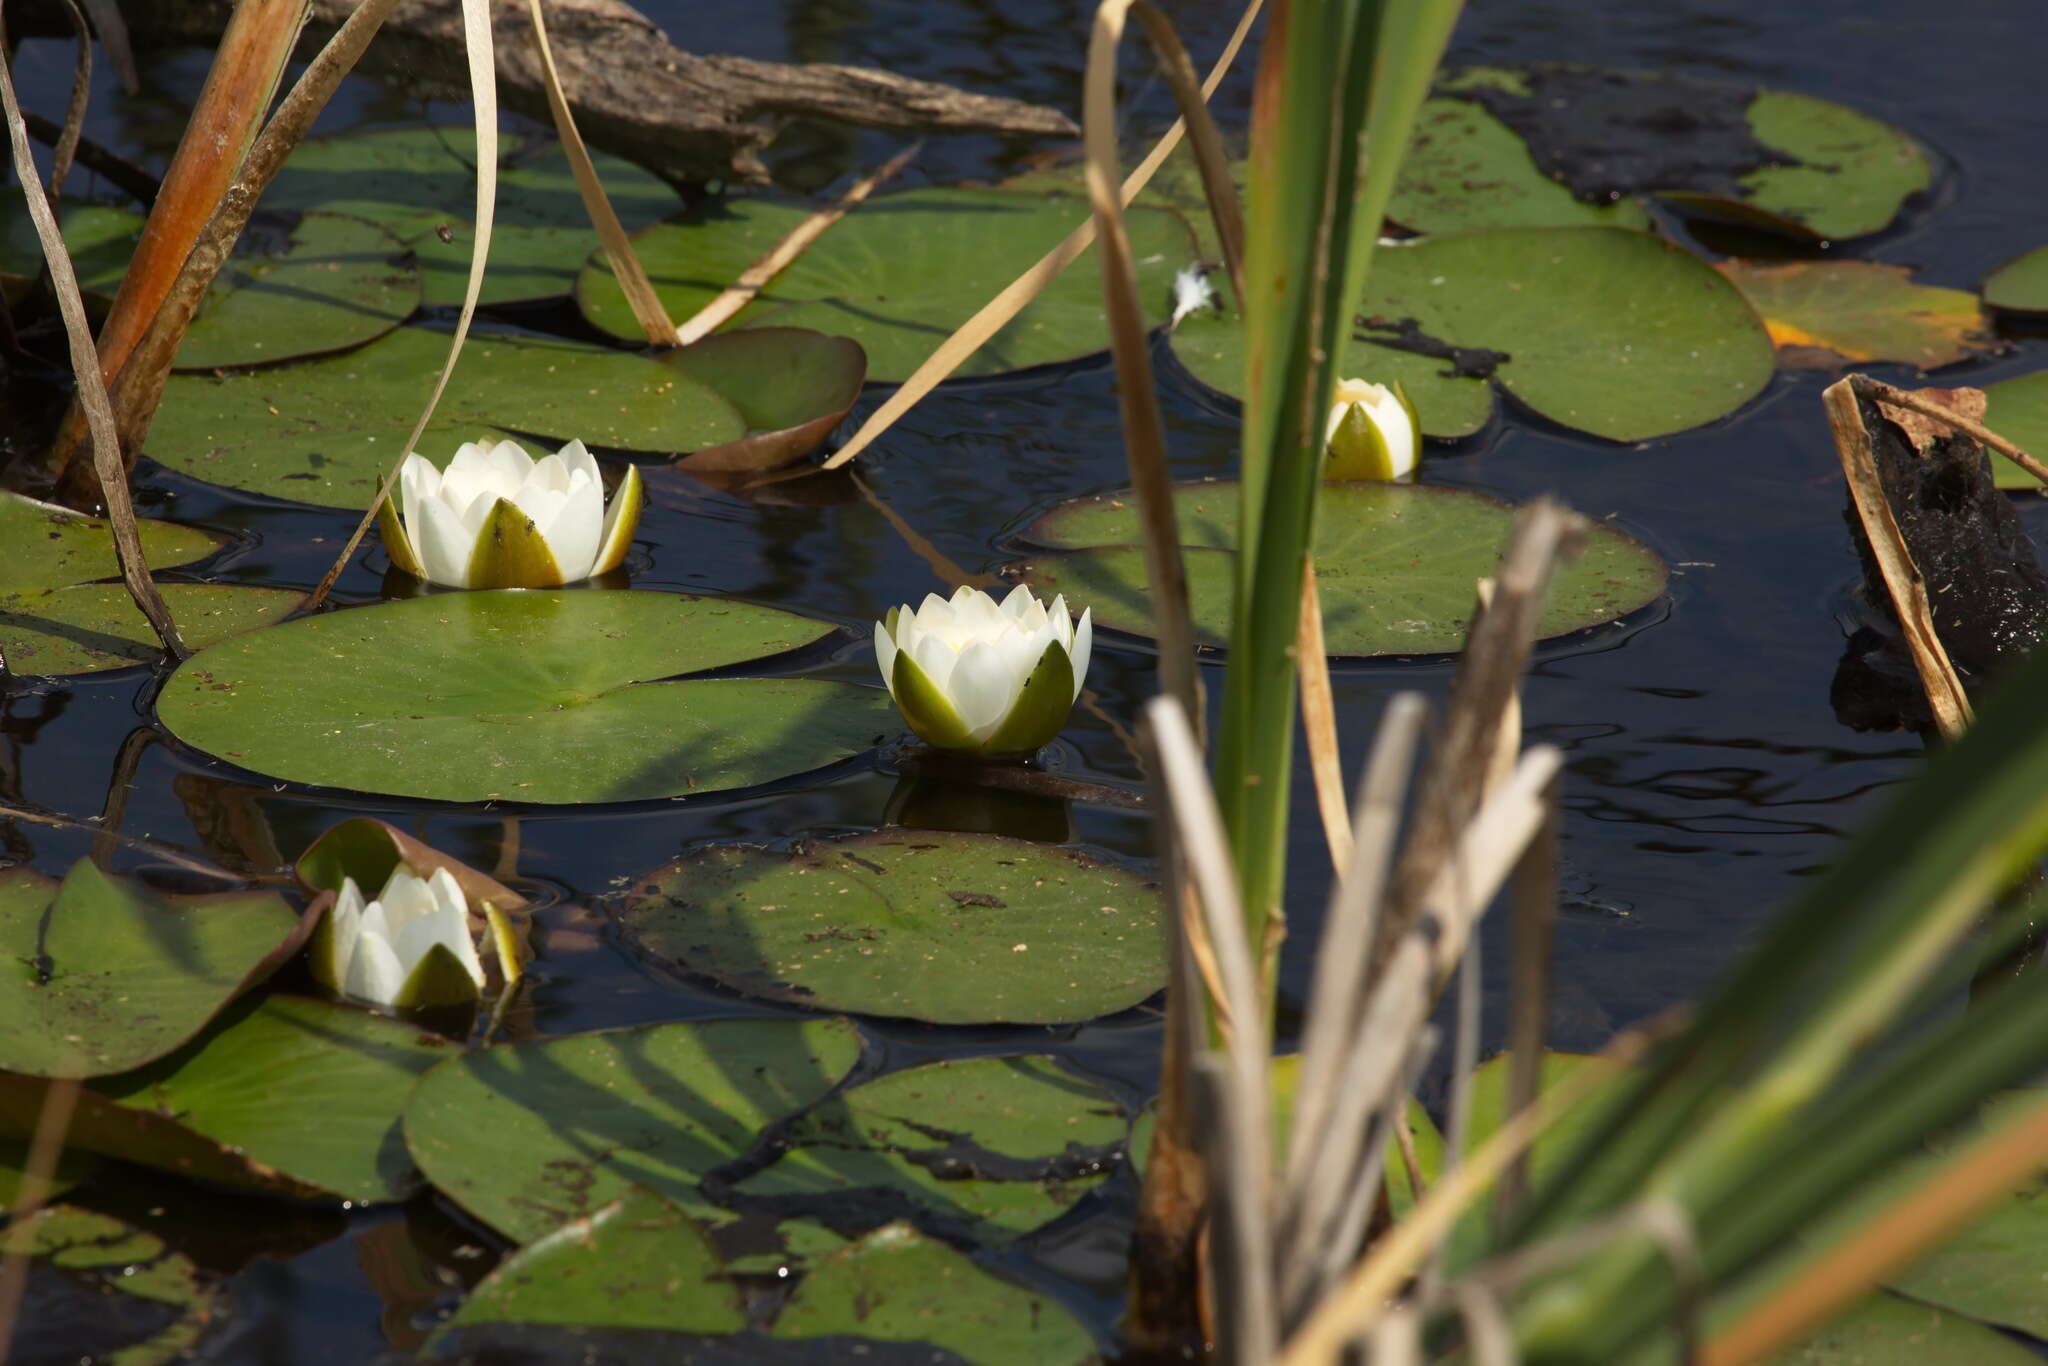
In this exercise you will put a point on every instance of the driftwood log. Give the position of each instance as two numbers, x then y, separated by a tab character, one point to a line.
690	118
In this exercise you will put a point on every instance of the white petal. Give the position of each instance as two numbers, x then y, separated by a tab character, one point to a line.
447	892
1083	646
418	480
344	928
450	928
937	658
1062	620
374	974
934	616
576	456
443	544
405	898
885	656
1018	601
978	614
983	688
576	529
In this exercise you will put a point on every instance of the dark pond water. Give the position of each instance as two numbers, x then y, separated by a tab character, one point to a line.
1707	774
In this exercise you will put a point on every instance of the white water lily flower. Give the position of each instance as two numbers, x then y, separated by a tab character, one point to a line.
1372	433
972	675
409	947
498	518
1192	293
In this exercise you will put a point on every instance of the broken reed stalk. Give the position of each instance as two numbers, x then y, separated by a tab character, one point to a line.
483	88
1130	346
794	243
139	387
92	393
1533	928
618	247
74	111
46	1148
1970	427
1319	724
1946	699
246	70
971	335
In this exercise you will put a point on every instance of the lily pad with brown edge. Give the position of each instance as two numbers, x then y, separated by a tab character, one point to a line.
93	627
327	430
301	287
550	697
530	1136
53	547
2021	284
791	386
1772	159
1606	331
284	1094
370	850
1825	315
421	184
103	1291
1395	564
922	924
899	274
897	1285
2017	409
109	974
987	1148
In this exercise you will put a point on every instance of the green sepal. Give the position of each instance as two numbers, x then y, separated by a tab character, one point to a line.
397	544
1414	421
505	939
624	520
320	951
926	708
1357	450
438	979
511	553
1041	708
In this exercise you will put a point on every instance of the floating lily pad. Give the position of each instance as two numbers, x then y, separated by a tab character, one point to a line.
325	431
101	238
286	1094
529	1136
1824	315
639	1262
73	1167
2017	409
989	1148
1395	565
98	1290
527	696
897	1285
326	282
1768	158
96	626
1991	1270
51	547
108	975
420	183
1467	169
950	928
1607	331
2021	284
1885	1330
791	386
899	274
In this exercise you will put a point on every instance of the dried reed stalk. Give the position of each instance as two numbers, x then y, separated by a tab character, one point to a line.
1319	724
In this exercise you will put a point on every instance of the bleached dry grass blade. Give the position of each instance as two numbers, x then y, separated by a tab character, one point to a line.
973	334
1533	930
483	87
618	247
53	1122
754	278
1319	724
85	365
113	31
1946	698
74	111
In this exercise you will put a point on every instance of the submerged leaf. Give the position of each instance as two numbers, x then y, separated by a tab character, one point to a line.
100	1290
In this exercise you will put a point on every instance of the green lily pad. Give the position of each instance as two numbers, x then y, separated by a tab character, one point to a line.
899	274
108	975
1603	330
99	1290
791	386
1395	564
897	1285
92	627
2017	409
1853	173
989	1147
1467	169
327	282
52	547
286	1094
527	696
325	431
1992	1269
1885	1330
639	1262
1826	315
529	1136
101	238
2021	284
420	183
73	1168
949	928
